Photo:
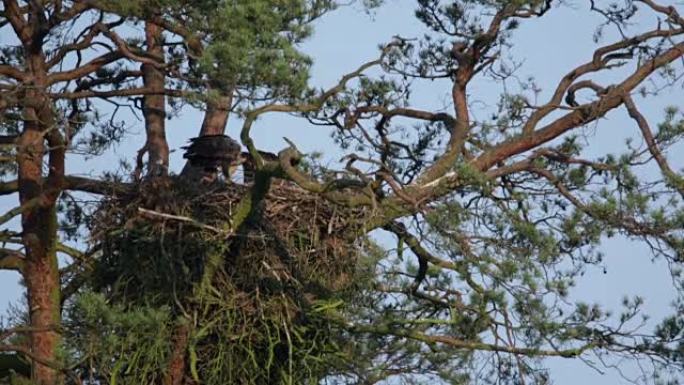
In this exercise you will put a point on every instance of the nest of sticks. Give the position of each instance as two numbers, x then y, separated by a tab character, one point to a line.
164	233
295	253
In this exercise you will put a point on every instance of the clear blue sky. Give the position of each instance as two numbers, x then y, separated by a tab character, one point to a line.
548	47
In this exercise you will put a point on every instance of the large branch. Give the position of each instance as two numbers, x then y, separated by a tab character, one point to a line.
192	39
15	16
333	191
126	92
139	56
396	206
123	51
7	188
423	255
670	11
26	351
618	221
77	183
85	69
95	186
352	117
77	8
12	72
30	204
471	59
579	117
8	140
601	59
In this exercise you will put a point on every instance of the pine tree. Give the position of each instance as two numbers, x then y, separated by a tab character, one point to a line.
280	280
56	80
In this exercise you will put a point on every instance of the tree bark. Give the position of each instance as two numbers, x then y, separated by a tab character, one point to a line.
39	223
216	117
154	108
176	368
214	123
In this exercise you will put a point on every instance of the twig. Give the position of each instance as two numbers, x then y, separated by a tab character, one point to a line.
193	222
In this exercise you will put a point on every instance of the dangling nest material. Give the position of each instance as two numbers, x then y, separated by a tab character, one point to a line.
262	313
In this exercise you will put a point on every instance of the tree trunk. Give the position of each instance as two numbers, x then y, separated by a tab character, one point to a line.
39	222
216	117
214	123
176	368
154	108
41	276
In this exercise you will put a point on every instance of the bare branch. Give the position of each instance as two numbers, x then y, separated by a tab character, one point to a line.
399	229
85	69
26	351
8	140
628	223
77	183
78	7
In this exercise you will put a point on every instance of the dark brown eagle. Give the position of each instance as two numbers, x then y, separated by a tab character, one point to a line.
212	153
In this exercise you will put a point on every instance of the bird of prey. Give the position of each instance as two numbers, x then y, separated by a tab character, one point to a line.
212	153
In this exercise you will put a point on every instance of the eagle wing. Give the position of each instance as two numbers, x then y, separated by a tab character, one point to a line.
212	151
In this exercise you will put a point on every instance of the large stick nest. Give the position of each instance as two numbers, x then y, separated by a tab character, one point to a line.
163	233
295	253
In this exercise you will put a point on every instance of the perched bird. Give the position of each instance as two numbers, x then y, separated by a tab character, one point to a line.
212	153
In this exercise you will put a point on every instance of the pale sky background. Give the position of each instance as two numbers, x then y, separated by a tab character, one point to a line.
549	47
